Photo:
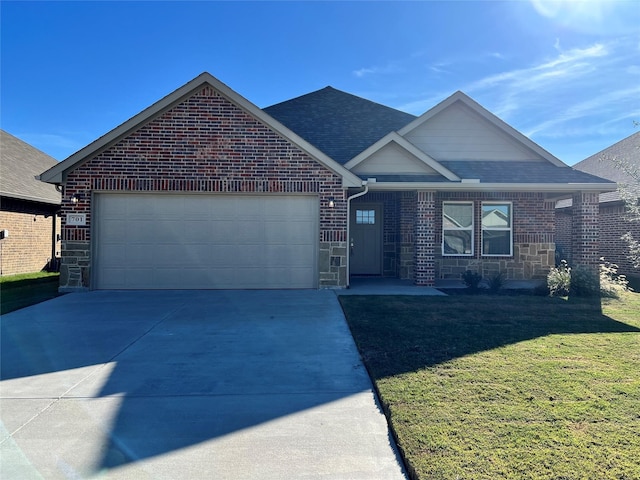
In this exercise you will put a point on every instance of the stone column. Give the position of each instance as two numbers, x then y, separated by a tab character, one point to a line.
425	238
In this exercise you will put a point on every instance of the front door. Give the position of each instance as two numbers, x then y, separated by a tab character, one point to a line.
366	239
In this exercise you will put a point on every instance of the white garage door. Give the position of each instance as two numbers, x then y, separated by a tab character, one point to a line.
167	241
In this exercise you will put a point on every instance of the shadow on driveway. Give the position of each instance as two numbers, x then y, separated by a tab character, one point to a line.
224	384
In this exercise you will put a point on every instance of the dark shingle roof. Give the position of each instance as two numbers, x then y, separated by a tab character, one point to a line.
20	163
339	124
603	164
518	172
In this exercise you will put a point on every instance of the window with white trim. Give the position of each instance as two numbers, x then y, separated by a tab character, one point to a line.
497	229
457	228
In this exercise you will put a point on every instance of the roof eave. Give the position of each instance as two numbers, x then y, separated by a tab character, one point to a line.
495	187
28	198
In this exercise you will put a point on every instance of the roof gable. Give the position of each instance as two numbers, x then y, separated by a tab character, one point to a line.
606	164
58	173
338	123
461	129
20	164
394	155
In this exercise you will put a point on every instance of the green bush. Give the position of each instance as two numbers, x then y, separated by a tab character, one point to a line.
559	280
472	280
611	283
496	282
584	281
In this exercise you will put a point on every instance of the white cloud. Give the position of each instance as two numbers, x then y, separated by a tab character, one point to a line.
392	67
548	98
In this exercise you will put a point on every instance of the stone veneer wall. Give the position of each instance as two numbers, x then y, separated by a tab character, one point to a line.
205	143
533	238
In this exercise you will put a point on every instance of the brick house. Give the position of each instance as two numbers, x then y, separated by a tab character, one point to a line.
612	217
204	189
28	209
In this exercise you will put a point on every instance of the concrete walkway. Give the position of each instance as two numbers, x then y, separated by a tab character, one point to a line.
188	384
385	286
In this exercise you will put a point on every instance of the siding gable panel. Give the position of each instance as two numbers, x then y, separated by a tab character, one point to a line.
458	133
393	159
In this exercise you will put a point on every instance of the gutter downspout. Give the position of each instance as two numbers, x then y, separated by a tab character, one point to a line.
365	184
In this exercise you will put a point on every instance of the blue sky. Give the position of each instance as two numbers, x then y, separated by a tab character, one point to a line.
566	74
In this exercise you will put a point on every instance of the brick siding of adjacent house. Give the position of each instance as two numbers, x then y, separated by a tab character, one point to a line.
28	247
204	144
613	224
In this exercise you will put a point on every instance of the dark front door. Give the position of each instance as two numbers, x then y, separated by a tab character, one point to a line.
366	239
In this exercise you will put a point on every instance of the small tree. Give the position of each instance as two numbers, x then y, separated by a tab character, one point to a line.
630	194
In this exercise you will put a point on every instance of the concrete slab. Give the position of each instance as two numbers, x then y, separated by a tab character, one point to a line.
188	384
395	286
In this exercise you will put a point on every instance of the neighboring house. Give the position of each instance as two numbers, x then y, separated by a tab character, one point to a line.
28	209
205	190
613	221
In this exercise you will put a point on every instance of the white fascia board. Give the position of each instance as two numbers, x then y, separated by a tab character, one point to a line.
409	147
497	187
487	115
57	174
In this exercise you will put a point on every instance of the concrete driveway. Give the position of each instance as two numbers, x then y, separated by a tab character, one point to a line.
188	384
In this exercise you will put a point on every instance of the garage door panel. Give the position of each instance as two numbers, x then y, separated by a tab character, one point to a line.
114	230
206	241
135	255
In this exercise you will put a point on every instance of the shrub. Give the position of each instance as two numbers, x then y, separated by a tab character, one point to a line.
584	281
611	283
559	280
496	282
472	280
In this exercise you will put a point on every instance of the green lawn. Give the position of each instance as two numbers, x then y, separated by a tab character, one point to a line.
518	387
19	291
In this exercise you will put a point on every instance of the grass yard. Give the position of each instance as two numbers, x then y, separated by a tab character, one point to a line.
517	387
19	291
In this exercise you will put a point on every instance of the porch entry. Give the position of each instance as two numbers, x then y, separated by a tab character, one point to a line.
366	239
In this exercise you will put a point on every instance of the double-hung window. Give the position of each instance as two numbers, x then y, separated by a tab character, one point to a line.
457	228
497	229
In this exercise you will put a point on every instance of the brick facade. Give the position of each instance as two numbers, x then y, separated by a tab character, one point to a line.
28	248
613	222
203	144
414	251
416	219
533	237
584	229
424	234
